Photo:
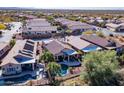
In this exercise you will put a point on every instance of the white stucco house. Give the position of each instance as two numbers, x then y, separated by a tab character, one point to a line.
115	27
20	58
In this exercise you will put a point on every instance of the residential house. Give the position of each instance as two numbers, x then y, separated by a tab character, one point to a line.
64	54
115	27
38	28
39	32
4	48
21	58
81	45
101	42
75	26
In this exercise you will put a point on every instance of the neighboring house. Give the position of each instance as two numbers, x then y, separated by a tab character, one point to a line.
99	19
20	58
115	27
78	27
75	26
39	32
81	45
120	28
101	42
112	26
4	48
38	28
37	23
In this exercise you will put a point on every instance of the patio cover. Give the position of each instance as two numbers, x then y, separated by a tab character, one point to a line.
25	60
69	52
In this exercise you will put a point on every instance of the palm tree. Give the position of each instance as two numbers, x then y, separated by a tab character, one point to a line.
46	57
53	70
52	67
12	42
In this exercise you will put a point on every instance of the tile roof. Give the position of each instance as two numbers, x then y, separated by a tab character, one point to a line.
39	25
3	45
18	51
77	42
112	25
54	47
74	24
102	42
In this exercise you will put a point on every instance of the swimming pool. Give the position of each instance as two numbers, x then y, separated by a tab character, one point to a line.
64	70
16	80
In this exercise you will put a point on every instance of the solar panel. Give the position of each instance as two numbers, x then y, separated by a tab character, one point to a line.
28	51
24	53
29	41
28	47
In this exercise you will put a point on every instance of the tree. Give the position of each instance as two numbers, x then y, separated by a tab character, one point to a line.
100	68
8	19
53	70
12	42
100	34
88	32
2	27
83	20
46	57
121	59
69	31
50	18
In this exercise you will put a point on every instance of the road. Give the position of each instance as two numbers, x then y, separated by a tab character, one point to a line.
7	35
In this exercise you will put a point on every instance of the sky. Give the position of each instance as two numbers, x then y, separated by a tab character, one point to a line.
61	3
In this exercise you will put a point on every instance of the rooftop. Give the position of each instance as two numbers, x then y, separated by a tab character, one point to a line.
20	51
113	25
57	47
102	42
73	24
77	42
54	47
3	45
40	29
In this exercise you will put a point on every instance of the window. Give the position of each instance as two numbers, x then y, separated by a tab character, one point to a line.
10	69
3	68
29	28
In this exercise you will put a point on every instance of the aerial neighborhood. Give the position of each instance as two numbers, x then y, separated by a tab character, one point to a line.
60	48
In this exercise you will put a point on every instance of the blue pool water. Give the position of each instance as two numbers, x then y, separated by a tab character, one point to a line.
16	80
64	70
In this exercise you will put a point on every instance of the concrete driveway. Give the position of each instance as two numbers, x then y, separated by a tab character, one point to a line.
7	35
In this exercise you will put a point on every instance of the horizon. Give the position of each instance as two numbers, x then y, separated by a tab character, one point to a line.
71	8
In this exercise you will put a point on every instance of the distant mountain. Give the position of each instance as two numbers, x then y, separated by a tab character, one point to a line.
16	8
102	10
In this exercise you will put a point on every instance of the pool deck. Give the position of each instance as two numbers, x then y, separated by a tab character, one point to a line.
70	76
